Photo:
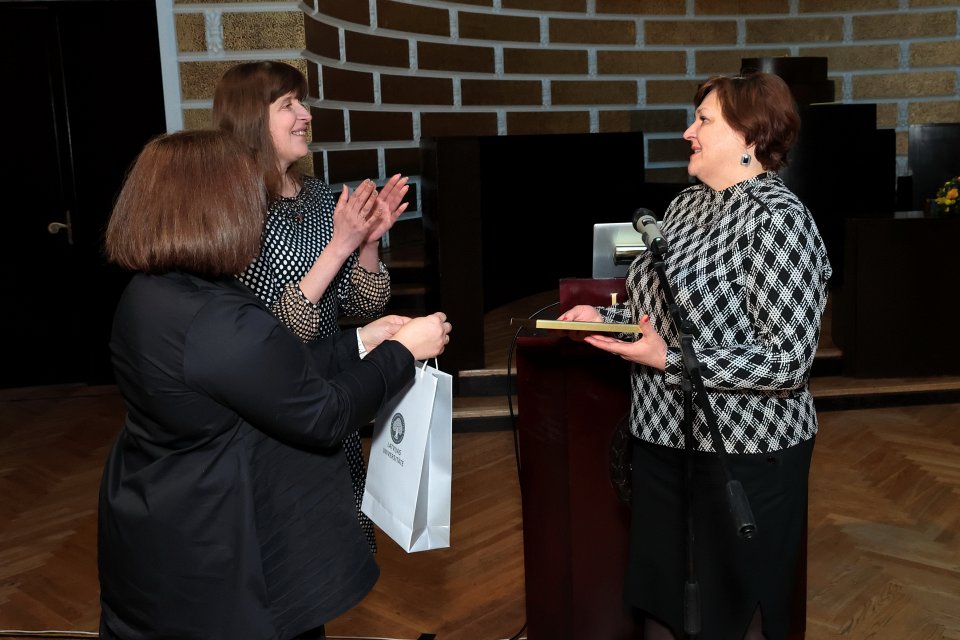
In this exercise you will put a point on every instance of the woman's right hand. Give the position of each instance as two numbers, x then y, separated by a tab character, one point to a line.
353	217
582	313
426	336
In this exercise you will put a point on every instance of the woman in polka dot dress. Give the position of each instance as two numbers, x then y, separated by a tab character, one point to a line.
320	255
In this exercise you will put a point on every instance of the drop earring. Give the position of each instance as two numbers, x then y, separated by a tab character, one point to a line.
745	159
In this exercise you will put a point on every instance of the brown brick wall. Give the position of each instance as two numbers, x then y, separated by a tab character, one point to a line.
411	18
435	125
640	62
642	7
349	86
501	92
491	26
544	61
584	31
740	7
598	92
415	90
794	30
689	33
539	66
454	57
539	122
901	26
374	50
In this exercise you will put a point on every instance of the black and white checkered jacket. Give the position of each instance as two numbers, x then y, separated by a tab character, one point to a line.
749	268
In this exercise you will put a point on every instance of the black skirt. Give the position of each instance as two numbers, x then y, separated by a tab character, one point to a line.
735	575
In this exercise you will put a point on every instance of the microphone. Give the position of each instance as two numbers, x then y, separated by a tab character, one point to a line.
646	225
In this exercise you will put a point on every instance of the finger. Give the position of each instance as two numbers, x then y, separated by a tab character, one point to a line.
344	194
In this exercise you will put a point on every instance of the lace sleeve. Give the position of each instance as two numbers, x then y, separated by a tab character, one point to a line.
368	292
297	313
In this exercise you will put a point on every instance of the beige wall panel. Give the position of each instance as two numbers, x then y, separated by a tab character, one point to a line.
191	32
932	112
887	116
900	85
855	57
197	119
277	30
795	30
905	25
935	54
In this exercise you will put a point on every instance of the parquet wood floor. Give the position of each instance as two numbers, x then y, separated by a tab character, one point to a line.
884	539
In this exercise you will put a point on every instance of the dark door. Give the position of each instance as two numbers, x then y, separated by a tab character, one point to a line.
82	93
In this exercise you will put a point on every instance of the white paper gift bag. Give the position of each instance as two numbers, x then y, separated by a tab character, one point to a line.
407	493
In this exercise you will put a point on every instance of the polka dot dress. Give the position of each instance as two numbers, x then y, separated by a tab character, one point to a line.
296	232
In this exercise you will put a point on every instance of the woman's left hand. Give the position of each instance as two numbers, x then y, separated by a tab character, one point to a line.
650	349
383	328
389	206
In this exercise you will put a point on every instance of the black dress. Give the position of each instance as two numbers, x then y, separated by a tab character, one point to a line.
196	538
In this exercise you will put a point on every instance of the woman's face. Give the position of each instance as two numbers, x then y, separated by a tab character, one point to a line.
716	148
288	129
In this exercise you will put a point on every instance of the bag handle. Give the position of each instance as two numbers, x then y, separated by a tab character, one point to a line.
436	365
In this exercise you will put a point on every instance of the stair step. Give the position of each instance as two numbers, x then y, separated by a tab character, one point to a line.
831	393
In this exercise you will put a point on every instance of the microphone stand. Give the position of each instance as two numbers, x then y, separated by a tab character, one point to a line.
691	380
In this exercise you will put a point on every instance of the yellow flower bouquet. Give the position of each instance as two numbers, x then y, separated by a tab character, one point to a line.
945	203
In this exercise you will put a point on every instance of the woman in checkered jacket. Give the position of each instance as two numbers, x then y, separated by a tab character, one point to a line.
750	271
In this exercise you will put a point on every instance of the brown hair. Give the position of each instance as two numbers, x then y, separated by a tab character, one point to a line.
241	105
193	201
761	108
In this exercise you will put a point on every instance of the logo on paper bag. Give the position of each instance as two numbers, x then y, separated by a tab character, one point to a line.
397	428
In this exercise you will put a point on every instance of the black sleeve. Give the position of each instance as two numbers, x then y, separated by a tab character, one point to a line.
313	395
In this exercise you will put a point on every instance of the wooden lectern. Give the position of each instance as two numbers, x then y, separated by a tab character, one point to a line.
571	397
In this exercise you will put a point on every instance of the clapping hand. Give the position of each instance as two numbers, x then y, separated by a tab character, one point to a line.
354	217
389	206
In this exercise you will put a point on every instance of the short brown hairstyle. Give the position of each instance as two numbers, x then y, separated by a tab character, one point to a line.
193	201
241	104
761	108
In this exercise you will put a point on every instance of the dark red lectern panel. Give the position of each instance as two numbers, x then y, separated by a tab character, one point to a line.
571	397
